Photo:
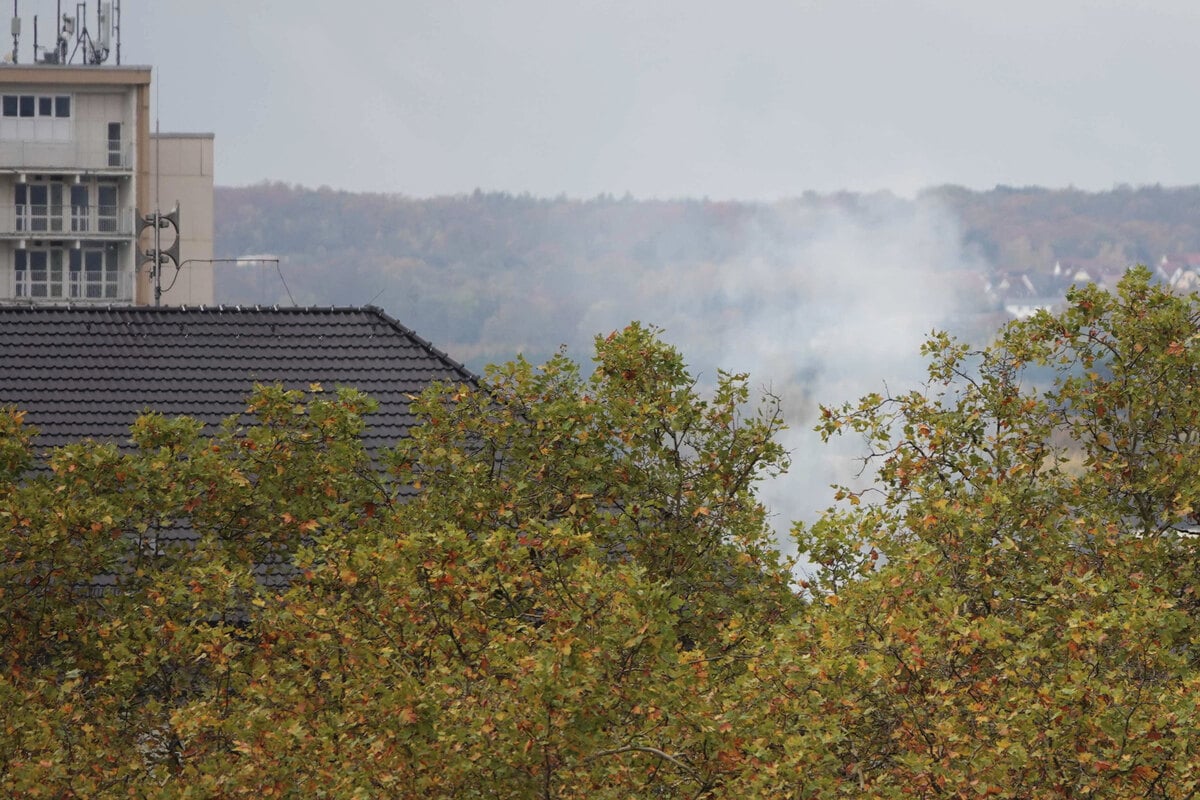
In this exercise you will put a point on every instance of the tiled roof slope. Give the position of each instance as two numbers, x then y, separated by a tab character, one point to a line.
88	372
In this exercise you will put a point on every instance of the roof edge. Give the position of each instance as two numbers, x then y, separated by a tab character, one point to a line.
467	374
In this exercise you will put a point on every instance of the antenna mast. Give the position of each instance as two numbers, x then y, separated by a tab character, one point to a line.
66	27
72	35
16	31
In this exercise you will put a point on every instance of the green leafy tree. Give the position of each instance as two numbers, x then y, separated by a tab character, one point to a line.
543	593
563	586
1010	611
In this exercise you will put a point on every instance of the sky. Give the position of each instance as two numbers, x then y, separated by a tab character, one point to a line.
754	100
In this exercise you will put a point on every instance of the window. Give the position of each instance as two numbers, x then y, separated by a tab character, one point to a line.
79	207
32	207
38	118
39	206
94	273
39	272
30	105
107	210
114	144
53	205
55	216
58	271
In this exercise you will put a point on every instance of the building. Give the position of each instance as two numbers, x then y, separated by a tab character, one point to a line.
88	371
80	171
181	174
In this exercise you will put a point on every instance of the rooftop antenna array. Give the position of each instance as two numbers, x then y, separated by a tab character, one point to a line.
74	40
16	32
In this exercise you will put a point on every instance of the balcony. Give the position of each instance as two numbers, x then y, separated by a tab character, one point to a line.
57	286
48	156
66	222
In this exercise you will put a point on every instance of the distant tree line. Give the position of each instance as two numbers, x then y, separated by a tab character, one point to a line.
489	274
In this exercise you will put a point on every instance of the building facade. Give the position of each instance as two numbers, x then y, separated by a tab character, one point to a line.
181	174
78	168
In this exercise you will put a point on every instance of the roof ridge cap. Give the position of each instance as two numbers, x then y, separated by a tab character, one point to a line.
466	374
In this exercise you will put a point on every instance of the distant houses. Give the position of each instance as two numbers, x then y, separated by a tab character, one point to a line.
1023	294
1181	273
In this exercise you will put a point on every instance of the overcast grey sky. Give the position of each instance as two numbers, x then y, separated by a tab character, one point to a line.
757	99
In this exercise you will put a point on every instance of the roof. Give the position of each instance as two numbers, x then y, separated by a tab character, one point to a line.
177	135
88	372
75	74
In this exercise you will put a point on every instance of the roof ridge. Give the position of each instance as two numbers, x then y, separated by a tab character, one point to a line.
466	374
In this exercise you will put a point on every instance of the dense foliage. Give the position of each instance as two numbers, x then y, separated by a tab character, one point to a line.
1013	606
539	594
563	586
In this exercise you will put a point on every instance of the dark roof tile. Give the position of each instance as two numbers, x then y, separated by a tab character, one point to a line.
88	372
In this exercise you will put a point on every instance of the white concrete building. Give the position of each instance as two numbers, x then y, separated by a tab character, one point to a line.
181	172
78	168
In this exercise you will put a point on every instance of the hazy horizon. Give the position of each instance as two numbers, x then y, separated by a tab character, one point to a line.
675	100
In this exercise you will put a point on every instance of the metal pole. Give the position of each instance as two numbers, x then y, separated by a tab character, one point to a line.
158	257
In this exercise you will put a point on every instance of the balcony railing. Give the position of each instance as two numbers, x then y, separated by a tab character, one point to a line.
32	155
66	286
65	221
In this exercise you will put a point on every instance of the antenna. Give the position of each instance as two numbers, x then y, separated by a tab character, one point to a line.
104	26
66	27
16	31
73	37
157	143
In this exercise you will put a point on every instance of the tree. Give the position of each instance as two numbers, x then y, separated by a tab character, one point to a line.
1011	610
562	586
542	593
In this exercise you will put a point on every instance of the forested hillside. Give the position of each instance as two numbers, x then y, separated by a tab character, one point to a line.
1030	228
488	275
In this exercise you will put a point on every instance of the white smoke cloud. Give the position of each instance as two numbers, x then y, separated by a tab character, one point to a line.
828	302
